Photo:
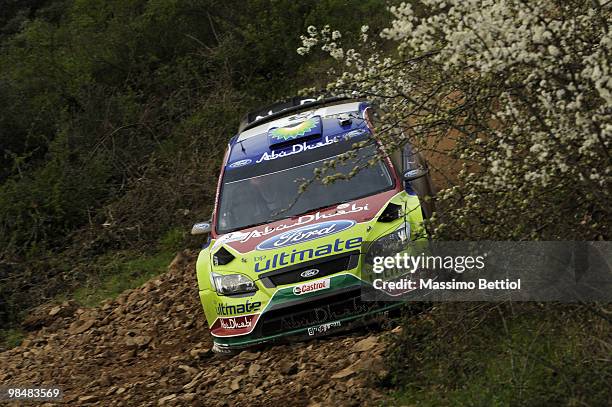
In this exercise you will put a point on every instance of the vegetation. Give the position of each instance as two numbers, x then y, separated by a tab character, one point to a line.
500	355
115	118
116	114
9	338
118	273
511	101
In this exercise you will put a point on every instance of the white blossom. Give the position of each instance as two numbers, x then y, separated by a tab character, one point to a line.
525	89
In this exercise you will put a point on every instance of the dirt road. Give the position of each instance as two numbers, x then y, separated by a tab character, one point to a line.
150	346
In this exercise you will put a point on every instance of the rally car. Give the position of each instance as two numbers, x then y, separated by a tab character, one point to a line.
281	262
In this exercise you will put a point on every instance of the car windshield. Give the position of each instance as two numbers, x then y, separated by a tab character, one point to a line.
274	195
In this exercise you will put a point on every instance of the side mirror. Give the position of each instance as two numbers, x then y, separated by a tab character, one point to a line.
201	228
415	173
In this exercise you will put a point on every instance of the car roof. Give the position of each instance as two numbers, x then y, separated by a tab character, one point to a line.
323	112
324	125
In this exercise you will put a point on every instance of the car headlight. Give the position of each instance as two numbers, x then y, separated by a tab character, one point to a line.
227	284
391	244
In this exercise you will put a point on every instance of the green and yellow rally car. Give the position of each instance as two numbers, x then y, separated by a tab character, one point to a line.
278	262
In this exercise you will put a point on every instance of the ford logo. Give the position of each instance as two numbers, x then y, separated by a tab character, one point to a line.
240	163
309	273
304	234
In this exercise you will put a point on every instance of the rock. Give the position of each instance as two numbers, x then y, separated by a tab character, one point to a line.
55	310
166	399
189	370
344	373
88	399
140	341
105	380
235	385
253	369
177	262
36	319
246	355
289	368
199	353
237	369
145	353
366	344
189	397
374	365
227	391
193	382
78	327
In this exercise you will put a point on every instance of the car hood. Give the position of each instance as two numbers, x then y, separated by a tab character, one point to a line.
269	236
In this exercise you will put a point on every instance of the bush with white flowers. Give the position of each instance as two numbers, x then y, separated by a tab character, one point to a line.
515	94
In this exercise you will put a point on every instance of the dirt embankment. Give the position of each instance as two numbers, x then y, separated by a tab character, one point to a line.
151	346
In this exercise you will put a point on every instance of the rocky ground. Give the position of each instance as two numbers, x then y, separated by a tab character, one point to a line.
150	346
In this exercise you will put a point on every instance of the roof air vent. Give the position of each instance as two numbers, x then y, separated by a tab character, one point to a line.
344	119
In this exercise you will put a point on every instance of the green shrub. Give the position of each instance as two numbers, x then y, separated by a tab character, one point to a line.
514	354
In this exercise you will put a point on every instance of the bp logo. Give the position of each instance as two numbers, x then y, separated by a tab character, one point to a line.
305	233
292	132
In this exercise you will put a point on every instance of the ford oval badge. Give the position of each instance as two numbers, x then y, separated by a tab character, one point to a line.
309	273
304	234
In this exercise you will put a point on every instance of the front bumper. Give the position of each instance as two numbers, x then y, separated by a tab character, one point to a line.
303	318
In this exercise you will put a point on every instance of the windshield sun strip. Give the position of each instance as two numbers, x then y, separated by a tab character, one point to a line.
290	168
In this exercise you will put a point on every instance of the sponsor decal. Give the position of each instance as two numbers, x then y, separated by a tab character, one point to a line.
355	133
341	210
304	234
294	131
240	163
298	148
301	147
316	330
325	314
309	273
235	323
300	116
224	309
412	173
233	326
263	263
311	287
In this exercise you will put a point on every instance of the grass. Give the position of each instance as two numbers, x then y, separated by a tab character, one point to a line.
112	274
492	355
121	272
10	338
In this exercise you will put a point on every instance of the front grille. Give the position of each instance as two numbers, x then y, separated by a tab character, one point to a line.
316	312
325	266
